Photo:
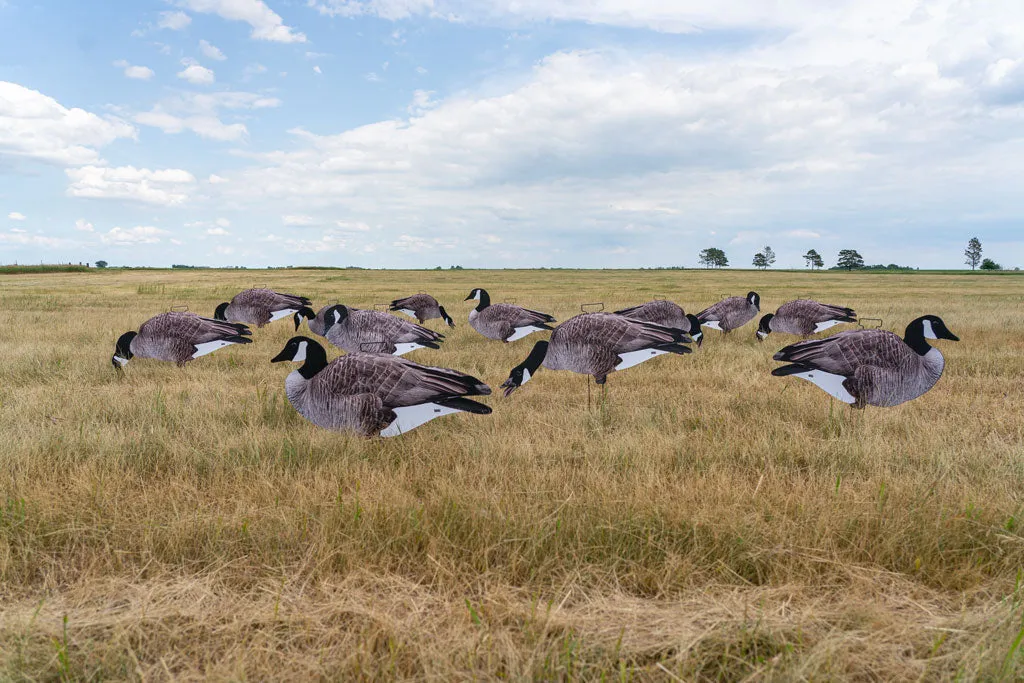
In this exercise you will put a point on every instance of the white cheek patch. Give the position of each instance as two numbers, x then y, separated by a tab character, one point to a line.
713	324
526	377
637	357
300	354
410	417
524	331
277	315
410	313
929	331
476	294
762	335
401	349
121	361
210	347
821	327
829	383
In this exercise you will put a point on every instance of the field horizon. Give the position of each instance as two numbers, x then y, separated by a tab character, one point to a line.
706	521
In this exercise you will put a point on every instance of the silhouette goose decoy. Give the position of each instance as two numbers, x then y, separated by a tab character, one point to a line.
728	314
803	318
667	314
871	367
261	306
374	394
597	344
177	337
504	322
357	331
423	307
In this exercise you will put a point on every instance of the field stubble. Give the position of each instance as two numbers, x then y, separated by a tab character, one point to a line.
706	522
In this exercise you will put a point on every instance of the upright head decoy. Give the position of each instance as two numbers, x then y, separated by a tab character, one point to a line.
261	306
177	337
504	322
728	314
597	344
803	317
374	394
871	367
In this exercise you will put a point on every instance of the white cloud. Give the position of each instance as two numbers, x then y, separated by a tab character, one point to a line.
317	70
211	51
168	187
372	77
35	126
385	9
200	113
175	21
298	220
83	225
803	234
217	232
215	179
140	234
21	238
266	24
196	73
15	216
421	102
140	73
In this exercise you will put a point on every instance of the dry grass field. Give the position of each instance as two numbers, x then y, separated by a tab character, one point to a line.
707	522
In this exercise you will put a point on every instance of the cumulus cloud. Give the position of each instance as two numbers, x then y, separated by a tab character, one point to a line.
200	113
21	238
140	73
174	21
83	225
217	232
140	234
168	187
211	51
266	24
38	127
15	216
196	73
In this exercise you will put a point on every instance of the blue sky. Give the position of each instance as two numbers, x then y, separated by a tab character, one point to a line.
509	133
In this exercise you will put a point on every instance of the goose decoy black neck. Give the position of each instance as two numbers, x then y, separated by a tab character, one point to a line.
920	330
447	318
480	295
522	373
304	312
696	334
306	351
221	312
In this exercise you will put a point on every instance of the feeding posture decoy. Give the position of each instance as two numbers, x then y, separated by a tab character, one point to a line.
374	394
177	337
504	322
315	321
597	344
871	367
358	331
261	306
728	314
667	314
423	307
803	318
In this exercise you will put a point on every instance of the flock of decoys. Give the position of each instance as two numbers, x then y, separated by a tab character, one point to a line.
372	390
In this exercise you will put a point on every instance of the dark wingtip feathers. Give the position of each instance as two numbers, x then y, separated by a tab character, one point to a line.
466	405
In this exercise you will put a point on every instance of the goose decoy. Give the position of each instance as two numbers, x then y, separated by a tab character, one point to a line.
597	344
315	321
372	394
803	318
261	306
871	367
504	322
358	331
423	307
177	337
667	314
728	314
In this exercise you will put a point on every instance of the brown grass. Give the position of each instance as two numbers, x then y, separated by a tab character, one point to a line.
708	522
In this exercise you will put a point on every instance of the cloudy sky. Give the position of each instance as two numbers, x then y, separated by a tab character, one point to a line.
490	133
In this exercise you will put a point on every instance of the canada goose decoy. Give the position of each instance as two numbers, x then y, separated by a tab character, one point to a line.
423	307
371	394
871	367
261	306
596	344
728	314
667	314
803	318
177	337
315	321
504	322
358	331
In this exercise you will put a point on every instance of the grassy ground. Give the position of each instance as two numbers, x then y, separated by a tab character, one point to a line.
708	522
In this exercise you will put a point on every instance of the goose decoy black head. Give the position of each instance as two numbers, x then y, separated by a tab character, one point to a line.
304	312
522	373
696	334
221	312
123	350
755	299
763	327
447	318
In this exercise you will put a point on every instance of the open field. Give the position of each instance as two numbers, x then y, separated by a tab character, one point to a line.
708	522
